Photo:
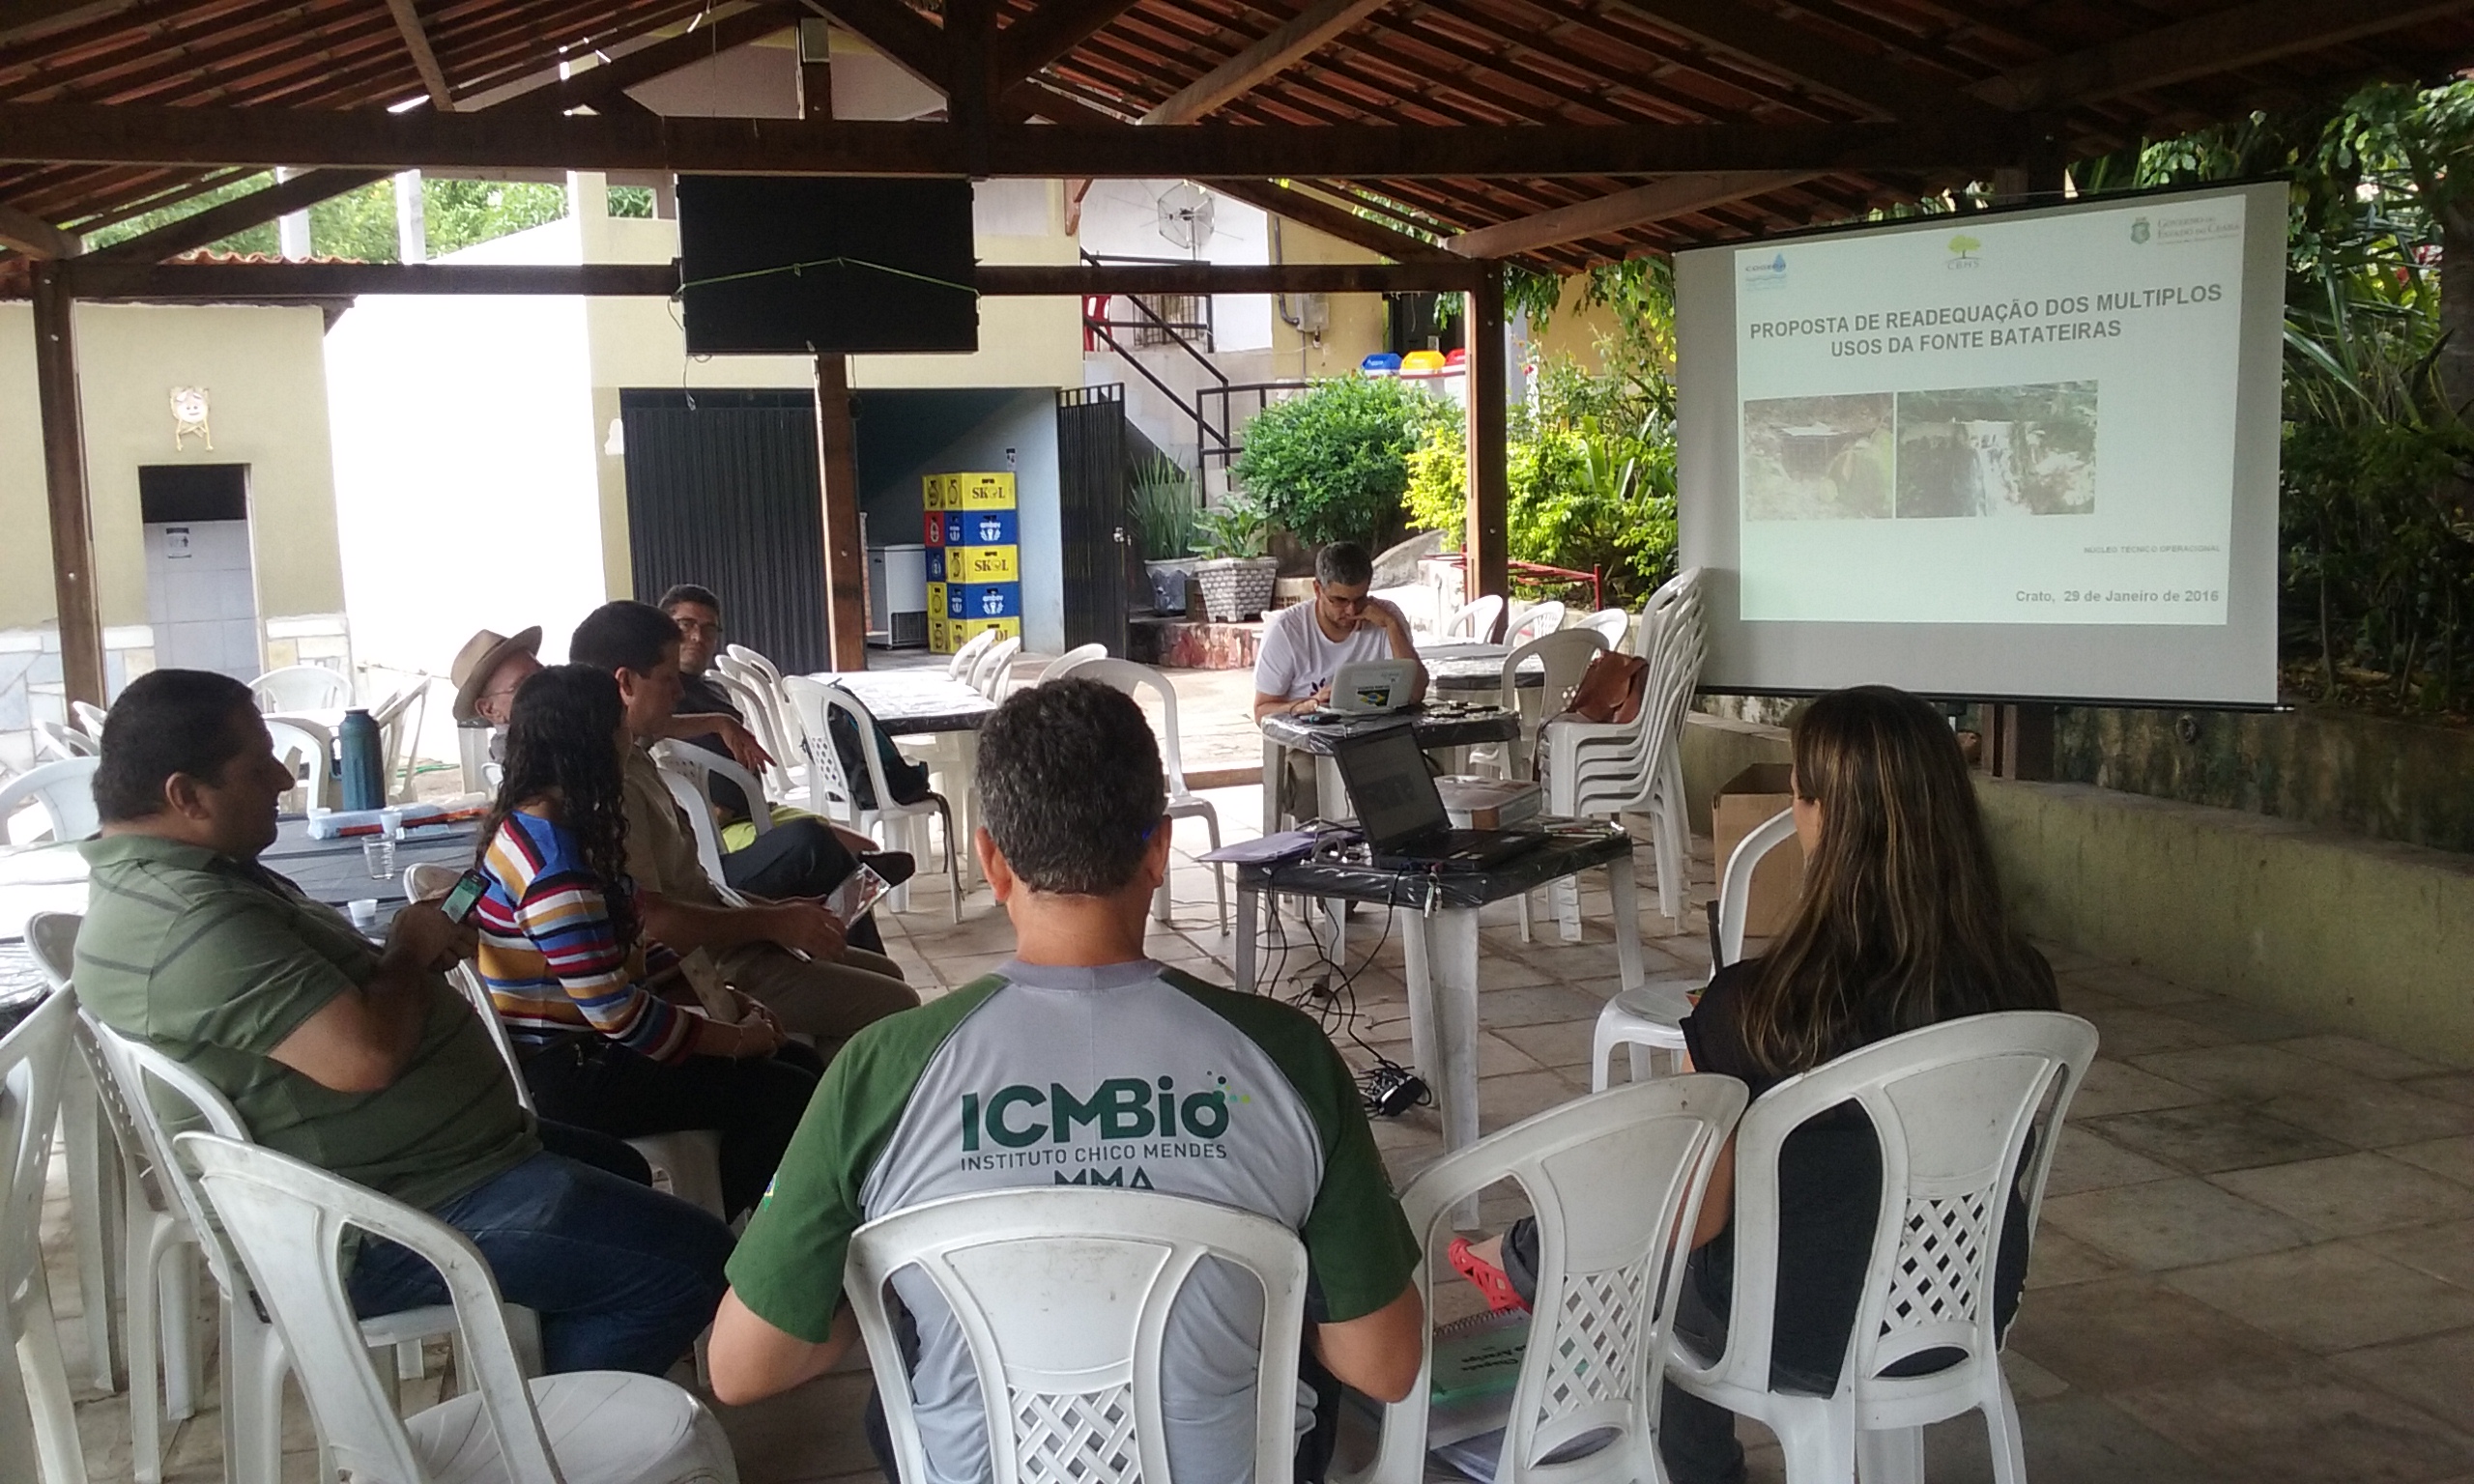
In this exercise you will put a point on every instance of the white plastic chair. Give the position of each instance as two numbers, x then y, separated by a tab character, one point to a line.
1564	657
90	717
38	1421
1183	802
399	719
296	688
1953	1105
61	742
763	667
996	669
829	789
1634	767
965	660
288	1219
763	715
1476	619
687	1163
689	772
1649	1020
1612	1179
308	749
1062	1297
65	792
1611	624
1537	619
51	940
1072	660
136	1078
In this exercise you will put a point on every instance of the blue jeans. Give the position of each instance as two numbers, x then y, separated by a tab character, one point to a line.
623	1276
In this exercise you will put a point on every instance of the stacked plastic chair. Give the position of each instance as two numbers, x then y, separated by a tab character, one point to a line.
1637	767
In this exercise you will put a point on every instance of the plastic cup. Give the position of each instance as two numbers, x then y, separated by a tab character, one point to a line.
379	855
364	912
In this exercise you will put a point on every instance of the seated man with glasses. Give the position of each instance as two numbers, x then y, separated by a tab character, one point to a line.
1306	645
801	855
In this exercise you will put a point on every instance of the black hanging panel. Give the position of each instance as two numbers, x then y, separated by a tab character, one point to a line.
1091	514
722	491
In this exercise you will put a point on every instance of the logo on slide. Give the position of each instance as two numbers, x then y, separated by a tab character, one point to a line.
1963	249
2139	229
1766	275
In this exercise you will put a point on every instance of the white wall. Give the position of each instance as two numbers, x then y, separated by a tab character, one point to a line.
1121	218
466	495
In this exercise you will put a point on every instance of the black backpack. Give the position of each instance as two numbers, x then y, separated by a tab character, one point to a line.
907	779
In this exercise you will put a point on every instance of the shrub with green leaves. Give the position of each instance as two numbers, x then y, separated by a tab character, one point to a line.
1331	464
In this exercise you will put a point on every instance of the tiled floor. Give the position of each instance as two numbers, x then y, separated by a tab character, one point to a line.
2256	1264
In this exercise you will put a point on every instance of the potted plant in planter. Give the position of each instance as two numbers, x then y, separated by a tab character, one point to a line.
1236	577
1163	517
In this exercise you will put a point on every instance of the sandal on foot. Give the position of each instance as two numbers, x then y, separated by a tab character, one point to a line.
1490	1280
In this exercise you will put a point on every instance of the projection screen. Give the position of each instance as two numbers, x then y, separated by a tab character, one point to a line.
2018	454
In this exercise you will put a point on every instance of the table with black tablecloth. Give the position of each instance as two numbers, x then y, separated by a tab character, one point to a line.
1437	919
1437	728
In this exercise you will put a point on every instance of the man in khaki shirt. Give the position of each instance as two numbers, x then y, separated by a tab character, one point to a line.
831	993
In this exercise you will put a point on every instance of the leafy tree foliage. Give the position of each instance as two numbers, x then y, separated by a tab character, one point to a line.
1332	464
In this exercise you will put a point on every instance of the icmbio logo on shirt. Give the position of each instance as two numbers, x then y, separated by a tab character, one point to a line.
1121	1108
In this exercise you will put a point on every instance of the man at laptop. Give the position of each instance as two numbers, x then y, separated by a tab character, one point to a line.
1306	645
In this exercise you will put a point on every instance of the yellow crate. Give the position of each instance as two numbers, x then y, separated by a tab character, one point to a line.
940	639
981	564
961	631
979	491
935	603
932	492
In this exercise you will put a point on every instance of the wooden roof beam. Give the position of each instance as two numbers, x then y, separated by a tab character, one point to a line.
1049	33
1780	47
1288	44
2227	41
505	138
1678	195
27	18
94	278
424	60
34	237
901	34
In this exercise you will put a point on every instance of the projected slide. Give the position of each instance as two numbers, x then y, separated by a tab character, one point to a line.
2013	420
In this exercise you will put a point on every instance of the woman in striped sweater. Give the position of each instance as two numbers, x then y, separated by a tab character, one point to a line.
611	1035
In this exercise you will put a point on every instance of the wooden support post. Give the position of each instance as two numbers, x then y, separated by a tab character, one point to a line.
816	69
1489	477
837	467
2021	744
64	464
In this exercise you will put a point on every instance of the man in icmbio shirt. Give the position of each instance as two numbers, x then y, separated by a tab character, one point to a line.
1083	1062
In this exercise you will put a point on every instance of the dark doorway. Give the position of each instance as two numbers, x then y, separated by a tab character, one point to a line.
722	490
1091	515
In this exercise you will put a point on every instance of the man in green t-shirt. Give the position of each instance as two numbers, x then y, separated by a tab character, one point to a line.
1083	1062
360	1060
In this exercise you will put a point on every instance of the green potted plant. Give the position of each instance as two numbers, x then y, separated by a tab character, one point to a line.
1162	518
1237	578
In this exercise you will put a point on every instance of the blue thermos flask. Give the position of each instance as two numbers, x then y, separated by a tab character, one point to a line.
363	765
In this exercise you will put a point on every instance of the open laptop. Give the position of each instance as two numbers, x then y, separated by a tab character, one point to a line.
1369	688
1401	812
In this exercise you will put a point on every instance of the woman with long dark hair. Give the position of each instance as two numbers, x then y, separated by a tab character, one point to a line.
609	1032
1900	926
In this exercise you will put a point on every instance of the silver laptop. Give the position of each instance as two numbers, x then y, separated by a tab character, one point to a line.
1373	687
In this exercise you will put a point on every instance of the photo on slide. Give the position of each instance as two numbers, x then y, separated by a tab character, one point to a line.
1818	458
1998	451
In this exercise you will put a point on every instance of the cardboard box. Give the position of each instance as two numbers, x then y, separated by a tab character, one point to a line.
1474	803
1742	803
983	564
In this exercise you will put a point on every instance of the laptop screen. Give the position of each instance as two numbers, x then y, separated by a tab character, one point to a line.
1388	780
